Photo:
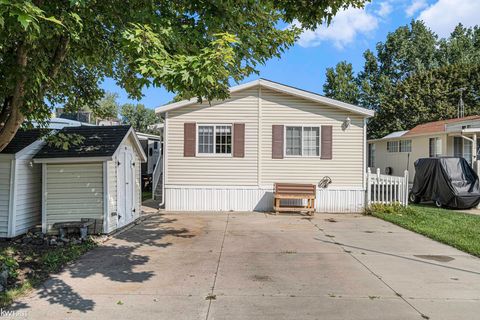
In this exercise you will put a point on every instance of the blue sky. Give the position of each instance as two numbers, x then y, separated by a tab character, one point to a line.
350	34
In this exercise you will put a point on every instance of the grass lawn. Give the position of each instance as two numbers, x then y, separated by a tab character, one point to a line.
146	195
30	265
457	229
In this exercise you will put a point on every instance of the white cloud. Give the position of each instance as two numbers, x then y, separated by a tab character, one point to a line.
444	15
385	9
415	6
345	26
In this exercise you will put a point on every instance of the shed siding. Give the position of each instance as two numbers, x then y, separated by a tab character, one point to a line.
113	184
112	194
74	191
242	107
346	167
29	192
5	167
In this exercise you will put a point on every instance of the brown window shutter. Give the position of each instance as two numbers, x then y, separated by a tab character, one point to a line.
239	140
326	147
189	139
277	141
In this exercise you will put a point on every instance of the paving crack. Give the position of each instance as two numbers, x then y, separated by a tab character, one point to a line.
211	295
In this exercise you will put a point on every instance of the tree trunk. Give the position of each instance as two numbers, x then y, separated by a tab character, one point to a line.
11	117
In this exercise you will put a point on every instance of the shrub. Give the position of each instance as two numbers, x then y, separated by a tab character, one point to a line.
394	208
8	263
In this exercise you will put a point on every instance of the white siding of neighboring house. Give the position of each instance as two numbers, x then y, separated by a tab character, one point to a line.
73	191
5	169
400	161
28	178
226	183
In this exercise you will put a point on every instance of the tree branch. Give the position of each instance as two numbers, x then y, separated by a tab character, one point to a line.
11	111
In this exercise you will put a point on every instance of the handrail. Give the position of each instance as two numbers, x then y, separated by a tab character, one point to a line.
156	174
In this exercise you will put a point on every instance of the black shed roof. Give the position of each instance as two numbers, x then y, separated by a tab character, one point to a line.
22	139
99	141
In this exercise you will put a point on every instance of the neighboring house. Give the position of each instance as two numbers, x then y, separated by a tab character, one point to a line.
97	179
227	155
81	115
108	122
20	184
398	151
60	123
152	146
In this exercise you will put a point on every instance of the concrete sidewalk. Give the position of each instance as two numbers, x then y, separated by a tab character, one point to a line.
257	266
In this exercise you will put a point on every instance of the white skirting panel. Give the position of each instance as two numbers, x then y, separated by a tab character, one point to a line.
255	199
340	200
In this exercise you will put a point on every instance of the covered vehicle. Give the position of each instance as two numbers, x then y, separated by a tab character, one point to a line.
448	181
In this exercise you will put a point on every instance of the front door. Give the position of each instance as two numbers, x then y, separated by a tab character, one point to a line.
126	186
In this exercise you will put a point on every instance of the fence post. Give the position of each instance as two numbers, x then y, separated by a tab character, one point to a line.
369	188
405	175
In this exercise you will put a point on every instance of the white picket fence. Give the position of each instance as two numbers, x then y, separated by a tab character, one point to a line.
386	189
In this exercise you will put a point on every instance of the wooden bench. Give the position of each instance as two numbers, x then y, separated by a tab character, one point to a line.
295	191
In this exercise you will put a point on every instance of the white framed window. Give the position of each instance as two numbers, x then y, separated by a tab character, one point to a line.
371	155
392	146
302	141
434	147
214	139
405	146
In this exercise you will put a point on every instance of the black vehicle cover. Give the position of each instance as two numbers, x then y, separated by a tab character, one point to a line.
448	180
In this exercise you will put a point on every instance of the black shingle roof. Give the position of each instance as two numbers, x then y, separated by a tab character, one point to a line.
22	139
100	141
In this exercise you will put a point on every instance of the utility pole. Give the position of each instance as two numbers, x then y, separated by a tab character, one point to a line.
461	105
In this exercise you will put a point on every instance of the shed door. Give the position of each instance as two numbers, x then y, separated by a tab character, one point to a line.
126	186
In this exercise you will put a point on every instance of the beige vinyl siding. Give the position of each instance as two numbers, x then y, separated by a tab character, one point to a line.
112	194
5	168
28	177
346	167
74	191
242	107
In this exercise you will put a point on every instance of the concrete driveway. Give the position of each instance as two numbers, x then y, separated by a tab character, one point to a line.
257	266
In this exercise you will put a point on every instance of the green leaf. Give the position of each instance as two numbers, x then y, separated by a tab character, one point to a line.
53	19
24	20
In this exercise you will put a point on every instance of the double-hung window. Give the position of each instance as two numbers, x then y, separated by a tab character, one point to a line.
435	147
302	141
392	146
215	139
371	155
405	146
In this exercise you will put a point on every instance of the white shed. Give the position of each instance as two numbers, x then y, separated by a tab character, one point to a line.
97	179
20	184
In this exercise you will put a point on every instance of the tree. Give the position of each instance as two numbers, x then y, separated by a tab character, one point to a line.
138	116
428	96
414	77
107	107
56	52
341	83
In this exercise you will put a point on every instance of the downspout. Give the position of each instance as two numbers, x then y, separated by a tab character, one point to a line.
164	165
364	153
